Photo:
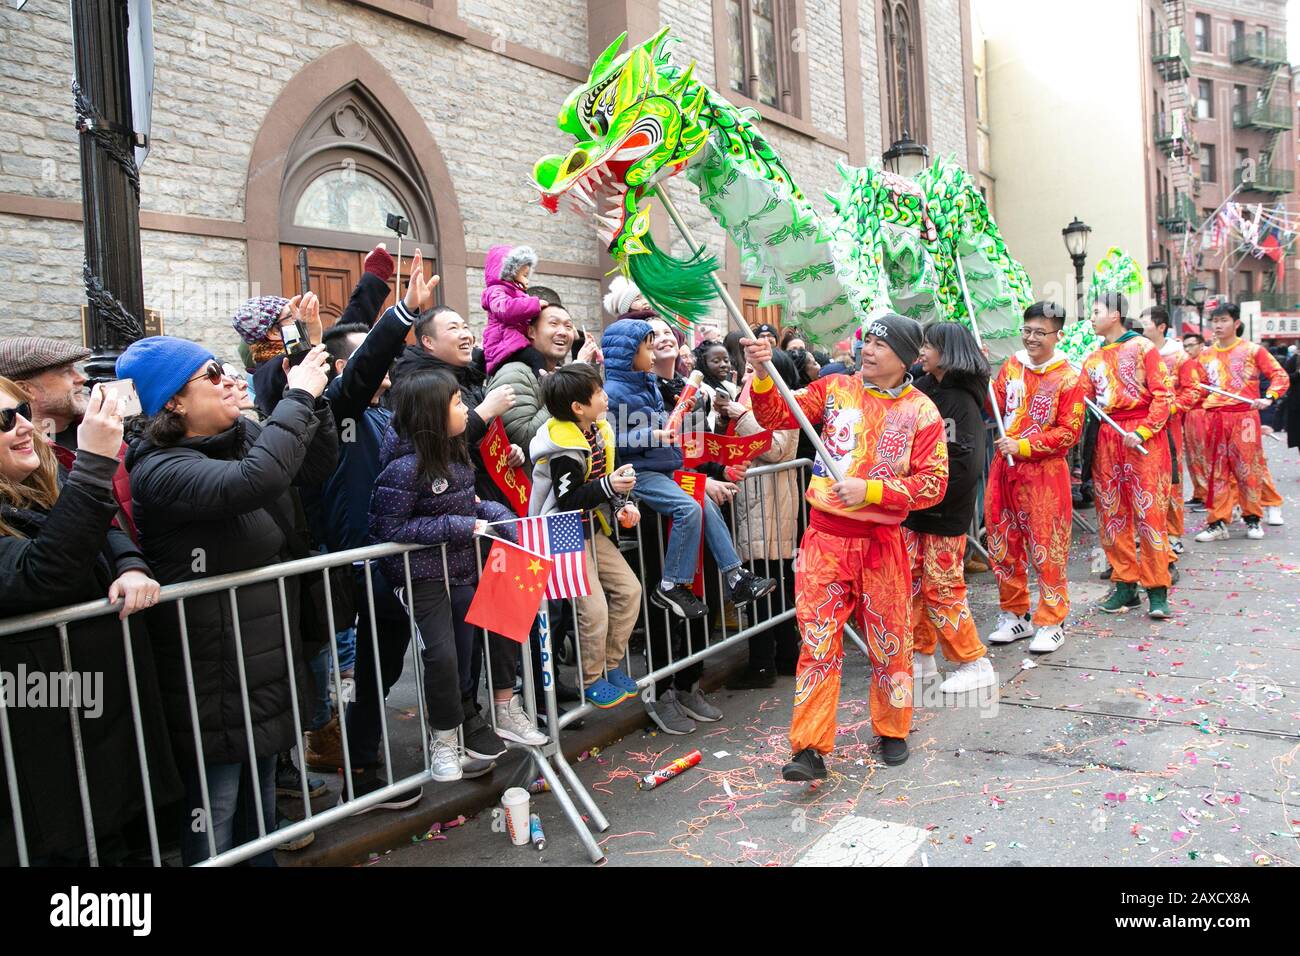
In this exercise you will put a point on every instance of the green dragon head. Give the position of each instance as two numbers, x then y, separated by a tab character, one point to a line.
637	122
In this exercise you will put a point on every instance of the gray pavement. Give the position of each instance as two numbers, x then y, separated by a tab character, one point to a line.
1138	743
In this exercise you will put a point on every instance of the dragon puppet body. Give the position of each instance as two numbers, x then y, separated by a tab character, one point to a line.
890	243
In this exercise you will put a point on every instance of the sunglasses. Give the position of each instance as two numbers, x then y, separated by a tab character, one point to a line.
212	373
9	416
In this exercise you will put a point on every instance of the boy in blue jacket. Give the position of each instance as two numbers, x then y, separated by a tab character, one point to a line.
637	412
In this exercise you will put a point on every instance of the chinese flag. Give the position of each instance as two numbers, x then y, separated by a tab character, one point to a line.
510	590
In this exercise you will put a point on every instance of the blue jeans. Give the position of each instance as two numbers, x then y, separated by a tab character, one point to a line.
663	495
347	641
234	814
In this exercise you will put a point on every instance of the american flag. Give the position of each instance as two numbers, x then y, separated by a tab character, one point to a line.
559	537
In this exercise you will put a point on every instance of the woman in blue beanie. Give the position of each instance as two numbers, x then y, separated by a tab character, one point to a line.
211	491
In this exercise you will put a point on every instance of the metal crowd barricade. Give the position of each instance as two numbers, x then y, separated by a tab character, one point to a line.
178	594
762	496
765	504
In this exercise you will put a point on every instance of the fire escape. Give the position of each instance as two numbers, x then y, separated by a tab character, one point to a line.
1175	133
1270	114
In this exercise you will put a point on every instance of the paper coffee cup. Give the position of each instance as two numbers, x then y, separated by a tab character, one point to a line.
515	803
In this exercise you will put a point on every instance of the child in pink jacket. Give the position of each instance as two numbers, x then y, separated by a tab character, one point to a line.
506	300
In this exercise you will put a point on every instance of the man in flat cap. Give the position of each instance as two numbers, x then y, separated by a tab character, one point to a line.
48	370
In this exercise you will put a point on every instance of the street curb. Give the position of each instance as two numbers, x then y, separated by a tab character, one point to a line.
356	840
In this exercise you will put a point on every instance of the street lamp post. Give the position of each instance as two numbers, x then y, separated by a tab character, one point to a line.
110	181
1197	294
1076	244
1158	272
906	157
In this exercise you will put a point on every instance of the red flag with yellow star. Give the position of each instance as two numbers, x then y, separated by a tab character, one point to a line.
510	590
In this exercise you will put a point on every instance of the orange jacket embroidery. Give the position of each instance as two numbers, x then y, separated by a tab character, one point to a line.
1186	373
1237	369
895	444
1043	410
1129	381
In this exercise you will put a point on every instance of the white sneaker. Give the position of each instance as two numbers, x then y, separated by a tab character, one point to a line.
513	723
970	676
1273	516
1048	639
923	666
1255	531
444	756
1215	532
1011	628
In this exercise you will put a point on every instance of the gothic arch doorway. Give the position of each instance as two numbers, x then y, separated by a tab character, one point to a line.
325	172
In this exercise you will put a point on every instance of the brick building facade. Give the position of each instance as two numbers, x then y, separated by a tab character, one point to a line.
261	111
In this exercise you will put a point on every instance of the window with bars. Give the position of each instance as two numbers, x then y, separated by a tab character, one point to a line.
760	43
904	78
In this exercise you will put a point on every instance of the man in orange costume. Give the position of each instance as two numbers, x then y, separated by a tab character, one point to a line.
1234	442
888	439
1194	432
1185	373
1128	380
1027	508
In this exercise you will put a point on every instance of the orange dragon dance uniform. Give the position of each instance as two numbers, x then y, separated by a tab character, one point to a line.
1130	382
1234	443
1186	372
1027	508
852	561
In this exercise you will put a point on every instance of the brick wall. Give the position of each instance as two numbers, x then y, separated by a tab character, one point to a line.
219	67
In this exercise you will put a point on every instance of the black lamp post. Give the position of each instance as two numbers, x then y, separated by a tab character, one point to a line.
1076	244
906	157
1158	273
110	182
1197	294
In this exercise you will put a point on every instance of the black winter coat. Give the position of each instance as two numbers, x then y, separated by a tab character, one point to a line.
1291	418
959	400
70	555
205	507
472	392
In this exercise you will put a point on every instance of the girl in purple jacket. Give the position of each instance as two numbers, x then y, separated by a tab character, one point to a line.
425	495
506	300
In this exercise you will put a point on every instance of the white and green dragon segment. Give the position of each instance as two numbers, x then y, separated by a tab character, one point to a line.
890	243
1116	272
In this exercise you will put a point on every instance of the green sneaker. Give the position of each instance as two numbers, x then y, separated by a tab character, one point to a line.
1159	600
1124	597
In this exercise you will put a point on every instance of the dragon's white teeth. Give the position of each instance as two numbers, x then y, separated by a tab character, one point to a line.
585	197
606	236
580	186
609	221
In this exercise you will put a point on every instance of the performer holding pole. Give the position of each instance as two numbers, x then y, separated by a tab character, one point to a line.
1185	373
1194	431
1027	511
1232	404
889	440
1127	384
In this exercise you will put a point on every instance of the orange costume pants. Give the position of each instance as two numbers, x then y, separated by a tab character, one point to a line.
1132	493
1027	512
1236	453
940	614
867	579
1174	521
1194	451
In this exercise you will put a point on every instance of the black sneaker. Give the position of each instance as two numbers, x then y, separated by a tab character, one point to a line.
288	782
680	601
1105	575
807	764
892	750
750	587
756	679
366	782
481	741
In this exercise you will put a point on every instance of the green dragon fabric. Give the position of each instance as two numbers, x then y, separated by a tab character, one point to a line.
890	243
